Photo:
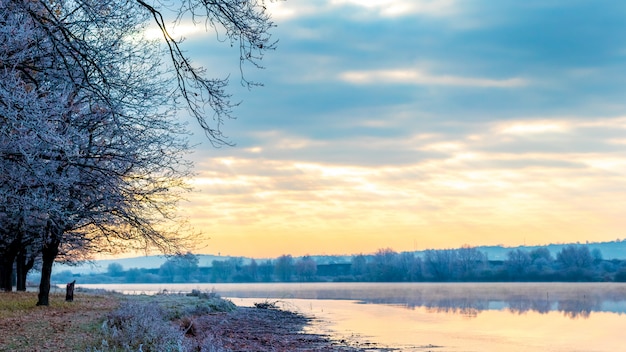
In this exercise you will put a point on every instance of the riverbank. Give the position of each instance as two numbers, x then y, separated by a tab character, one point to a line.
102	321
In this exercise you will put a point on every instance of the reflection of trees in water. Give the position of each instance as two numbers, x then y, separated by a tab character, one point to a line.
469	308
573	300
580	308
523	304
575	307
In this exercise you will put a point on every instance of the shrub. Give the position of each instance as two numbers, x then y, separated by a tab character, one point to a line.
164	322
203	294
211	306
141	327
210	302
267	304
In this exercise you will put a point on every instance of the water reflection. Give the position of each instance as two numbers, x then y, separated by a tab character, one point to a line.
469	300
573	300
455	317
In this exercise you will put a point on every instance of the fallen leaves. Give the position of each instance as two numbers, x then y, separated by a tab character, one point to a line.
62	326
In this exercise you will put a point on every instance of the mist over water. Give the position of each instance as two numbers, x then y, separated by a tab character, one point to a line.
456	317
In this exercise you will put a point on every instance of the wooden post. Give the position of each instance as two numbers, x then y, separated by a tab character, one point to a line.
69	291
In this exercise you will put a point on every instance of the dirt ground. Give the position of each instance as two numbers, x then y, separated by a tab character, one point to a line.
63	326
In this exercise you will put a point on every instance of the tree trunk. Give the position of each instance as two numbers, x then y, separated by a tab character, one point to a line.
3	274
7	259
23	266
6	271
48	254
69	291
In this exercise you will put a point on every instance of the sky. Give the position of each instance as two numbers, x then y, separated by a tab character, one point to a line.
418	124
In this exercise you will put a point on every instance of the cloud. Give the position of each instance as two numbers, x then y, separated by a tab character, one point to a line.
419	77
467	185
465	190
293	10
397	8
386	123
534	127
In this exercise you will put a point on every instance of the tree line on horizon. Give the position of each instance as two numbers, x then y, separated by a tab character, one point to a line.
573	263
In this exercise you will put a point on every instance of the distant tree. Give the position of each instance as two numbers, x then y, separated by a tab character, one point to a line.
575	257
167	271
440	263
358	266
620	275
385	266
180	267
230	270
252	270
469	260
64	276
306	268
410	266
284	267
221	271
596	254
541	267
133	275
187	265
237	268
115	269
266	269
540	253
517	263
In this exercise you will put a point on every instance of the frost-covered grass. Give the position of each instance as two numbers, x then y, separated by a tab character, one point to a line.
141	327
160	323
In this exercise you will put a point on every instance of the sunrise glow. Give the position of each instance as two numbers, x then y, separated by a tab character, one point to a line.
413	125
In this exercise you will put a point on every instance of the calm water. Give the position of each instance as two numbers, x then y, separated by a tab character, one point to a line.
453	317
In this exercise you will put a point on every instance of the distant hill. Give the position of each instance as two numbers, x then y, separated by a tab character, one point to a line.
144	262
609	250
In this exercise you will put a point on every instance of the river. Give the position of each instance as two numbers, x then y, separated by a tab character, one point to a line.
451	317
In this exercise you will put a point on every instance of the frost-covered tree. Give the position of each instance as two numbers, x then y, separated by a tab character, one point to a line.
87	169
469	261
283	269
91	153
80	32
439	264
180	267
306	268
518	262
575	257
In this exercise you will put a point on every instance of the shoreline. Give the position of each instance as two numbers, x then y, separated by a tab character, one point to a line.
201	322
264	326
263	329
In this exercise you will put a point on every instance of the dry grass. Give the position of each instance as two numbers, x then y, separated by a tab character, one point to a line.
13	303
62	326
